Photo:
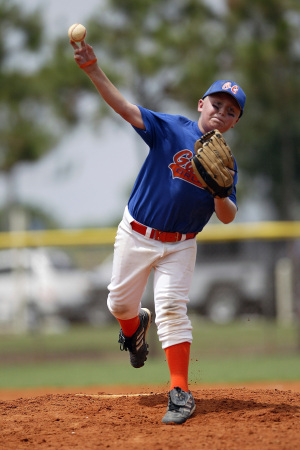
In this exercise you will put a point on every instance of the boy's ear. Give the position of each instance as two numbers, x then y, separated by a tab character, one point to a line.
200	105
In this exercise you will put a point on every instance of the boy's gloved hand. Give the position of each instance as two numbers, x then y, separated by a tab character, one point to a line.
213	163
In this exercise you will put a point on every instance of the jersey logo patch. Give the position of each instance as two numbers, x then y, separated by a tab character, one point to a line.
182	168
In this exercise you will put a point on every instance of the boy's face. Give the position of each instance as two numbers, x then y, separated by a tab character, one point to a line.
219	111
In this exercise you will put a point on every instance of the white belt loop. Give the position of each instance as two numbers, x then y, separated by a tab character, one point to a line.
183	237
148	232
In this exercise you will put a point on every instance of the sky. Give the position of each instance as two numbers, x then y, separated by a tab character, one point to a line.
77	182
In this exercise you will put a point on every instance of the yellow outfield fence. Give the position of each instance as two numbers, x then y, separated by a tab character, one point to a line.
106	236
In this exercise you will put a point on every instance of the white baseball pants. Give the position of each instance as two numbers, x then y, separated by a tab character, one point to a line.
173	264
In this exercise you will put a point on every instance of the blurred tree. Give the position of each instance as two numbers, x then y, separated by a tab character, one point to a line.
23	134
34	105
262	42
152	44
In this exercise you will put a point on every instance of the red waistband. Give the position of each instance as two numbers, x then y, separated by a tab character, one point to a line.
161	236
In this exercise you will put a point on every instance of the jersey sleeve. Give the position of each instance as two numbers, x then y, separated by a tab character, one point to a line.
149	119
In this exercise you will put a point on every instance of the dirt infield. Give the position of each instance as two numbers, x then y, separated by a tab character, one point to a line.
226	417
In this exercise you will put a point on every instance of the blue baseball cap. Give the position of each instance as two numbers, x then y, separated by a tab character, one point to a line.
231	88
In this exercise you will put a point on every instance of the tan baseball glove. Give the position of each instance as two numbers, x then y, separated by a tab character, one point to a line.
211	164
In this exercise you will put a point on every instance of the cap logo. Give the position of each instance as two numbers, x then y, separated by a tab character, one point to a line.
234	89
227	85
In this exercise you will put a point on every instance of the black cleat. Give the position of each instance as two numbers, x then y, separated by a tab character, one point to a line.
136	344
181	406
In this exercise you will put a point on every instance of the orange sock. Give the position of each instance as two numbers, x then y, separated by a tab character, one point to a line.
178	358
129	326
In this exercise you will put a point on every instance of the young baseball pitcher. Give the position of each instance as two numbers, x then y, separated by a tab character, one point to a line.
188	175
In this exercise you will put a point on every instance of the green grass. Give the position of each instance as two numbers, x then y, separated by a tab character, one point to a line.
96	373
244	351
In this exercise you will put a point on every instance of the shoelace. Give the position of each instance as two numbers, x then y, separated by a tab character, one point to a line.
173	406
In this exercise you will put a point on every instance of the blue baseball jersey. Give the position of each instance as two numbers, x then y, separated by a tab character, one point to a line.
167	195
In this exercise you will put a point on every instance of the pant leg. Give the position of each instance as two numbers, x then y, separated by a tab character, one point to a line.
134	256
172	279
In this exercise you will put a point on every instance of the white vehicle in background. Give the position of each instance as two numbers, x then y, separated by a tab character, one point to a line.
224	291
39	283
221	291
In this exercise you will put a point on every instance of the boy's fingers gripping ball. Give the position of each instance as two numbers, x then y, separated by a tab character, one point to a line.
77	32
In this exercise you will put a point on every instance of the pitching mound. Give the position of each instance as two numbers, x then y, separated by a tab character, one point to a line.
225	418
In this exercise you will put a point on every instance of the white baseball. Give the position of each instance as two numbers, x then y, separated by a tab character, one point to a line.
77	32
